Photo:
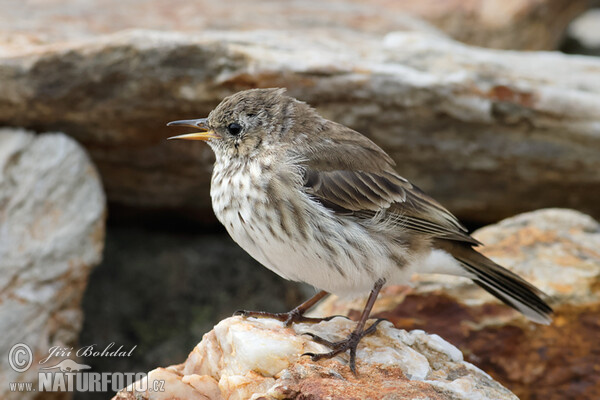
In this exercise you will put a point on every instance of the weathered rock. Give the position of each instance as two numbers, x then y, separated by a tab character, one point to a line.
519	25
250	358
51	235
515	24
558	251
488	133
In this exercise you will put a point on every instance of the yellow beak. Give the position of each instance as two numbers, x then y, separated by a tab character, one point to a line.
201	123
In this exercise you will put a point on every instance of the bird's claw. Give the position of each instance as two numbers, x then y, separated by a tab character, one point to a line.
350	343
320	340
335	316
289	318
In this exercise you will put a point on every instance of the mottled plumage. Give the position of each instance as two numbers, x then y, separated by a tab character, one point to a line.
318	202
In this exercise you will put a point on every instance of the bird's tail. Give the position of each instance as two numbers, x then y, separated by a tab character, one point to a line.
502	283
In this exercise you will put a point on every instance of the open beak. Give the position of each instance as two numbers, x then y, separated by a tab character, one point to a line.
201	123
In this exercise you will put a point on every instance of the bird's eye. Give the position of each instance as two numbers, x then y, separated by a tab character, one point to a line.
234	128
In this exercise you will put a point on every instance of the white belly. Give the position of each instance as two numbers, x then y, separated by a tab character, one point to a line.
335	254
332	254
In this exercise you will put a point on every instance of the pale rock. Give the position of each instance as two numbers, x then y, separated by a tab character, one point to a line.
585	32
262	359
556	250
52	211
514	24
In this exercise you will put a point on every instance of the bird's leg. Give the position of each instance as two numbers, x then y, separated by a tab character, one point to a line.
295	315
351	342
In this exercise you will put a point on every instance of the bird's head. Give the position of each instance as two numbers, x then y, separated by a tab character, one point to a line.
247	123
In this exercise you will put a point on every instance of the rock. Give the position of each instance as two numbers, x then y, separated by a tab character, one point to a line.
519	25
515	24
488	133
583	35
52	211
557	250
260	358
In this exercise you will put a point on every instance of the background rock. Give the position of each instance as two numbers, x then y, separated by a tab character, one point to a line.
242	359
583	35
52	211
516	24
488	133
519	24
557	250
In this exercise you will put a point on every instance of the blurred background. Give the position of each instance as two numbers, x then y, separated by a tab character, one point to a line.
106	229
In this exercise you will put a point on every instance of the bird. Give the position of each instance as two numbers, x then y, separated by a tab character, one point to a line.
317	202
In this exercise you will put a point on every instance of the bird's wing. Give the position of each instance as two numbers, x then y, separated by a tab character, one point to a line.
350	174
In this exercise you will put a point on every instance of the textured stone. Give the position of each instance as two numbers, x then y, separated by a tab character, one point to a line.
514	24
558	251
250	358
489	133
51	235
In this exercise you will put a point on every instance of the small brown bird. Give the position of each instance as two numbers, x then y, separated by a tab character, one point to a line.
317	202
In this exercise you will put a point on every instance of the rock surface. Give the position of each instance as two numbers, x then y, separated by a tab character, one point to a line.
515	24
488	133
558	251
51	235
250	358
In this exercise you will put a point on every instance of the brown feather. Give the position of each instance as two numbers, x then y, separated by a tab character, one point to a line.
350	174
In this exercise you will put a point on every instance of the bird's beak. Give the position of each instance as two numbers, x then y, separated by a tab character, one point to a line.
201	123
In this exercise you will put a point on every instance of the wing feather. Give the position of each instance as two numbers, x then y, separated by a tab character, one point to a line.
354	176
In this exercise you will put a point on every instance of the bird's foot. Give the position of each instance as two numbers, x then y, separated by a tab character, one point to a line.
289	318
296	315
350	343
